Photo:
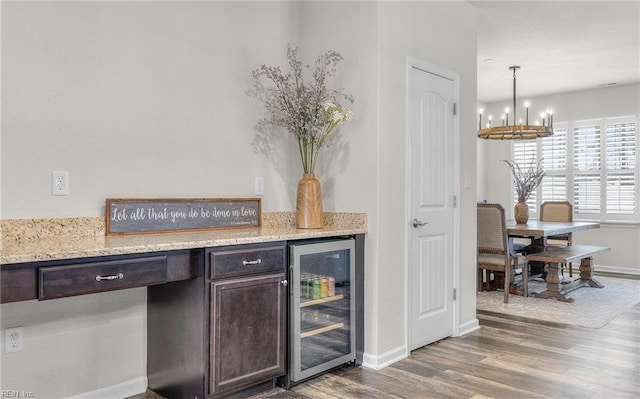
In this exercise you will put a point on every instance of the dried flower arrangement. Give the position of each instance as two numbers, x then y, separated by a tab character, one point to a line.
306	108
525	181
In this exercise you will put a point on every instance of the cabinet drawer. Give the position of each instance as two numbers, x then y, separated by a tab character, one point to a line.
247	261
86	278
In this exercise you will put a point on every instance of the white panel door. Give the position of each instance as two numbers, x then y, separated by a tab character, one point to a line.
431	191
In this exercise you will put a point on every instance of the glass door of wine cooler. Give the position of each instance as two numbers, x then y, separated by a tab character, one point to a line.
322	332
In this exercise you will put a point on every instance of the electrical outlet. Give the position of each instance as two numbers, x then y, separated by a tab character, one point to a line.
13	339
259	186
59	183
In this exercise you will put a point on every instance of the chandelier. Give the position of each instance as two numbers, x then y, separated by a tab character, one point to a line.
519	130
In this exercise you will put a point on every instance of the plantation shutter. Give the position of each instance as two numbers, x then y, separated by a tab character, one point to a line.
621	165
587	166
553	151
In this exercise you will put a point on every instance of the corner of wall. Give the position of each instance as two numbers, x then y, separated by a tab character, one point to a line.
378	362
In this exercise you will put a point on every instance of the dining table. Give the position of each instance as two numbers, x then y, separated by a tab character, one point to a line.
538	232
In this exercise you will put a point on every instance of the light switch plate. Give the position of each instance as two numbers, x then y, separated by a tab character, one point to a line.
259	186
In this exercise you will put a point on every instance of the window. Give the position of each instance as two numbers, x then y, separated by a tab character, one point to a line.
592	163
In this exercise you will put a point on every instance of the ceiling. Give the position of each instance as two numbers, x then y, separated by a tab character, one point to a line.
561	46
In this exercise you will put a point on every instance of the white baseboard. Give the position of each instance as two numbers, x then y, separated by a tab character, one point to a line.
468	327
612	269
121	390
385	359
401	352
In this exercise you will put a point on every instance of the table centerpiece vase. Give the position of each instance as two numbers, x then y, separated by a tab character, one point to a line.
525	181
521	212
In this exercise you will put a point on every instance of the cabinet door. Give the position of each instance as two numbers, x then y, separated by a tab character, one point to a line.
247	332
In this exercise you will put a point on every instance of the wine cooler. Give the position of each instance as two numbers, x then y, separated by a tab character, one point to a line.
322	307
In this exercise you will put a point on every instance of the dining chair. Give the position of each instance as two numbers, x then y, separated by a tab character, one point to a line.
558	211
495	252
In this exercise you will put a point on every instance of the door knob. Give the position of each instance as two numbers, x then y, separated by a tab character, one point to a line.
417	223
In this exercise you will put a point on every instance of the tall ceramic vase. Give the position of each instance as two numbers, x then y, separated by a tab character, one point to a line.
309	203
521	212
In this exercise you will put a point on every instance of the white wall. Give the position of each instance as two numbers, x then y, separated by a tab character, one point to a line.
147	99
443	34
73	345
134	99
598	103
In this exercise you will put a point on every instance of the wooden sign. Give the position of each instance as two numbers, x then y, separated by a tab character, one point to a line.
153	215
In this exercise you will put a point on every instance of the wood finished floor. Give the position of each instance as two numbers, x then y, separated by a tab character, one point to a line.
509	357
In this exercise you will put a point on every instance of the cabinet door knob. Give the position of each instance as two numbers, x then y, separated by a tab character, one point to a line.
284	282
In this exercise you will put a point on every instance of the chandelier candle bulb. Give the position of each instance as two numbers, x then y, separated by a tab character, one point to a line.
526	112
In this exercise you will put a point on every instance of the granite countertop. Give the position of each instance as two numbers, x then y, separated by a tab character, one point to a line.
31	240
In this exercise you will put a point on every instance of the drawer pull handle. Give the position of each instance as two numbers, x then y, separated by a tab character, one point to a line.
251	262
118	276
